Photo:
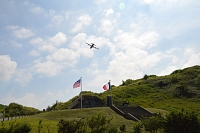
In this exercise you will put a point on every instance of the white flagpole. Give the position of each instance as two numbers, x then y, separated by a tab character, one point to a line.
81	92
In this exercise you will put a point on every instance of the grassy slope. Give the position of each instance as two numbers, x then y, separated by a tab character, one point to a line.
141	92
149	94
51	119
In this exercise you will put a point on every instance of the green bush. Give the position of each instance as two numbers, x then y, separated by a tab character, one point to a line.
95	124
182	122
16	128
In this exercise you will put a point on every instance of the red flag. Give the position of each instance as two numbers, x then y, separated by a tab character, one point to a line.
77	84
106	86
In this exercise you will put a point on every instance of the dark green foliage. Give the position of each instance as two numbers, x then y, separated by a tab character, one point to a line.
145	77
181	90
15	127
127	82
98	123
39	126
197	81
67	126
95	124
137	128
174	79
112	130
122	128
177	72
182	122
17	110
2	107
153	124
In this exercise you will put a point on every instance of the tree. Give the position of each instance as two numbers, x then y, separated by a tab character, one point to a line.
182	122
153	124
145	77
137	128
181	90
98	123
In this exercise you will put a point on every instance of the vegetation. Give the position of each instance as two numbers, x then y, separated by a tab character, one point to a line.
174	122
174	92
17	110
15	127
50	120
177	93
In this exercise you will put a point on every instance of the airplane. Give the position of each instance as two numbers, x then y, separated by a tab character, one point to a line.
92	45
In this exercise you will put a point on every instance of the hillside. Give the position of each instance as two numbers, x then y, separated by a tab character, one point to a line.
51	119
178	91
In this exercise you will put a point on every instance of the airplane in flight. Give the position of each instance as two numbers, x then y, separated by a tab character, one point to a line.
92	45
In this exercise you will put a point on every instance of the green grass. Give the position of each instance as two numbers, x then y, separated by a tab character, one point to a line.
51	119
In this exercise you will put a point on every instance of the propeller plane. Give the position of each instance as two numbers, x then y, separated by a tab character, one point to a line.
92	45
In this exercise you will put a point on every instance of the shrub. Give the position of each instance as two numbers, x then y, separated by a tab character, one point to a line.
182	122
16	128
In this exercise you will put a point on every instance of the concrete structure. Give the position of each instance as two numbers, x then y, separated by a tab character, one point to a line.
87	102
130	113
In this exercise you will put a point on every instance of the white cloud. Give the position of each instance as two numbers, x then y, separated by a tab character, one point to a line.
23	76
101	1
49	44
7	67
149	1
16	44
109	12
83	21
79	47
179	58
58	39
145	40
48	68
38	41
63	54
21	32
106	27
168	70
39	101
192	57
37	10
29	99
48	48
34	53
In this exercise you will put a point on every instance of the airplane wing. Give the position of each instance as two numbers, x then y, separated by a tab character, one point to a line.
96	47
88	44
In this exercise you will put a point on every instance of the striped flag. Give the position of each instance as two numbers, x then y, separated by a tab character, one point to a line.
77	84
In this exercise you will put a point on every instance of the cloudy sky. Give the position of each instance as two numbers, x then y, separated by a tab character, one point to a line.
43	50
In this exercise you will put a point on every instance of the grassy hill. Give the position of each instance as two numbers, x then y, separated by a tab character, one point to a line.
51	119
175	92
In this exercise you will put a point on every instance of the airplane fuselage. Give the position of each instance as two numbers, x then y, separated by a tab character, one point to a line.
91	46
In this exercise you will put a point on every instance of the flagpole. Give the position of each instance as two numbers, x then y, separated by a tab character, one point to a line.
81	92
110	88
110	92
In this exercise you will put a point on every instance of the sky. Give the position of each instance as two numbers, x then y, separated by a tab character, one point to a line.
43	50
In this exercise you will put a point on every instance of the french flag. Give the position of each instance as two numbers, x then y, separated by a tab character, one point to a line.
106	86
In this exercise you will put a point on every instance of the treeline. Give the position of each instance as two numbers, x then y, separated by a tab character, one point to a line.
175	122
17	110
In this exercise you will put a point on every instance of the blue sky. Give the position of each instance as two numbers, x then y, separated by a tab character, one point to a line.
43	50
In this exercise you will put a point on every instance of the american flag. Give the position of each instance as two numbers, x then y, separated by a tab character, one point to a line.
77	84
